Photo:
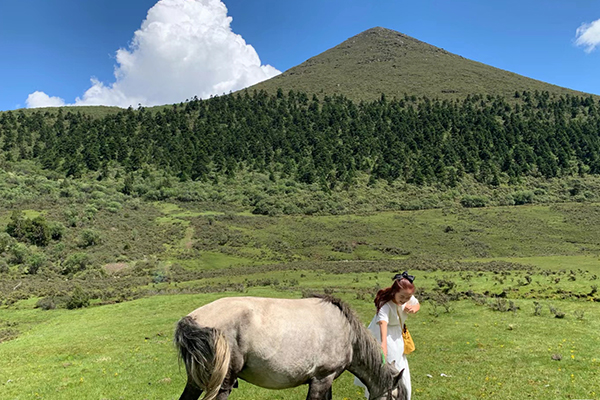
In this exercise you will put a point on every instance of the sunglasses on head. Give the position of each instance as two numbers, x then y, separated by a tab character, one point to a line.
404	275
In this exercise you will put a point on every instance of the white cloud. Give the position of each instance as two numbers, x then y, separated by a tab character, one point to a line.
588	35
41	99
184	48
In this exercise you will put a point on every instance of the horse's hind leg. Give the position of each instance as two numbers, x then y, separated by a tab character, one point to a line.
320	389
191	392
230	383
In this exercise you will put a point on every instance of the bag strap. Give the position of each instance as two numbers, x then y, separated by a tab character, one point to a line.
400	320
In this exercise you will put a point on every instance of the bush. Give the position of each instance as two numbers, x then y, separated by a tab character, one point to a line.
3	267
19	252
78	299
39	233
268	207
473	201
557	313
523	197
57	230
76	262
47	303
18	225
35	262
89	237
6	241
114	207
35	231
341	246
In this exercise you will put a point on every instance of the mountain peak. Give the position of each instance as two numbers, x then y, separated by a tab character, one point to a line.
381	60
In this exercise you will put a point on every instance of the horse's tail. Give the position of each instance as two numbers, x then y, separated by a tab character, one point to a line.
205	353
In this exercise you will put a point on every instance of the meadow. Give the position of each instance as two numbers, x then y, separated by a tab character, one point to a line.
509	295
124	351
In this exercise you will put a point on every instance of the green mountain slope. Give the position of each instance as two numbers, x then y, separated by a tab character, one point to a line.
381	60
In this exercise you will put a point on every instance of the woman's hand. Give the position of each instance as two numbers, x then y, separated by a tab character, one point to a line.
411	309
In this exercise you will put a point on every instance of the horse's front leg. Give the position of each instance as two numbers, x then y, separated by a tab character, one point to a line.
320	389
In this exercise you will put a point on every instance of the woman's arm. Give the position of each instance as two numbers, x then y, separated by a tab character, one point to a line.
383	328
411	309
412	305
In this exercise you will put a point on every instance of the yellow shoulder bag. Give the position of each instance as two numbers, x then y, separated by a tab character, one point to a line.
409	344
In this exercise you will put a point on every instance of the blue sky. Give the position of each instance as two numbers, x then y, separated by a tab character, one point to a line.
57	46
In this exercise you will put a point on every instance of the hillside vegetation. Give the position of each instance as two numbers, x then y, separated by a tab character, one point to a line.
329	142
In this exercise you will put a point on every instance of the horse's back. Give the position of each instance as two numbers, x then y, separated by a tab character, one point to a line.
290	338
259	310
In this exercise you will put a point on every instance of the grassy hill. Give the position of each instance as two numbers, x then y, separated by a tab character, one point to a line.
381	60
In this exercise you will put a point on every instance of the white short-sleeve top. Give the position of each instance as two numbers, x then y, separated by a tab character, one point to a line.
393	314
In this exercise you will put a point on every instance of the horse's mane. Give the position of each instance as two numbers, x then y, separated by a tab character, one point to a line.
364	345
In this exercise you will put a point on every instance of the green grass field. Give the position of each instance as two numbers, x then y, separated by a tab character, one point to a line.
482	276
124	351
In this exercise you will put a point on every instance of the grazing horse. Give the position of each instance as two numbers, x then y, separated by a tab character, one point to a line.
279	344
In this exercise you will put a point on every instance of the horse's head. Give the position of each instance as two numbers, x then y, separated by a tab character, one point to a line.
396	392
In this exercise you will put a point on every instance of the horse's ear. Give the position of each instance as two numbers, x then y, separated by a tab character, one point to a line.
398	377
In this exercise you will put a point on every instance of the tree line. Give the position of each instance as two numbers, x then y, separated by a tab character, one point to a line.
324	140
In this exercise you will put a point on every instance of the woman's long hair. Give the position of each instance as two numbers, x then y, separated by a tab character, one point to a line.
387	294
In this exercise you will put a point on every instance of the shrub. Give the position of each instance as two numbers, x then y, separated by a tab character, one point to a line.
579	314
89	237
557	313
35	262
3	267
46	303
78	299
268	207
39	232
523	197
500	304
114	207
440	300
537	311
72	217
473	201
19	253
17	227
35	231
76	262
341	246
6	241
57	230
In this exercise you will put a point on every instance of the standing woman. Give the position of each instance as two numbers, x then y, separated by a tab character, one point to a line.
393	305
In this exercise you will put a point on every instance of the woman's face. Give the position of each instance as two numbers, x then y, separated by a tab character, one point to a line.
403	296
